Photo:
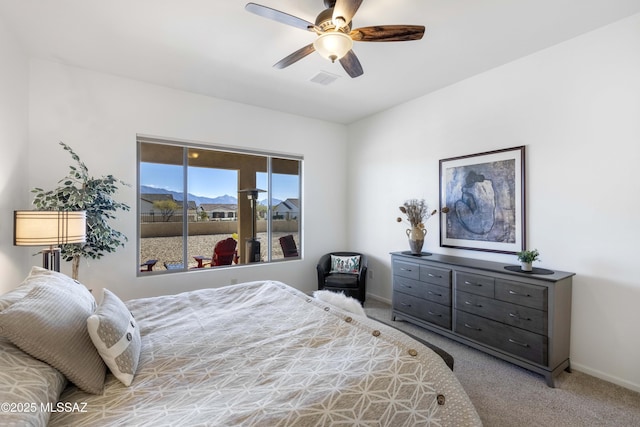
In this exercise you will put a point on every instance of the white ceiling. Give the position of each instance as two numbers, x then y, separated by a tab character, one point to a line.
216	48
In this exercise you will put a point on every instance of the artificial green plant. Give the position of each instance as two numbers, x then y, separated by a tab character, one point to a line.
528	256
80	192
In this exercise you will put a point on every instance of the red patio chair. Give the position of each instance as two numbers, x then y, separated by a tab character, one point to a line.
224	253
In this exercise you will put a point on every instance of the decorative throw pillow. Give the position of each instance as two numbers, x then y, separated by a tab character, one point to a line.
115	334
14	295
345	264
23	288
50	324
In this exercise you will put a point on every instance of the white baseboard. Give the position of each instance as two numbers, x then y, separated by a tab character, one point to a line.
379	298
606	377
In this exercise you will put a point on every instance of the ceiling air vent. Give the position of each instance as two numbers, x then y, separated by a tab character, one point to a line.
324	78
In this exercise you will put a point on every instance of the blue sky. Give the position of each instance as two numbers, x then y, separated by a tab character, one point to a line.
208	182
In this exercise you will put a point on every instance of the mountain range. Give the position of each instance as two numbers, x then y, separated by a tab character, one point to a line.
223	200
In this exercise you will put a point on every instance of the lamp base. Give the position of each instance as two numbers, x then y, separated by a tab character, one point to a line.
51	259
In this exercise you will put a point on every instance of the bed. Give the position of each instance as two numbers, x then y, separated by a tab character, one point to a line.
255	354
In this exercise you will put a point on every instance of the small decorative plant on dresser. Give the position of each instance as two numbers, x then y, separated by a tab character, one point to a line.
526	259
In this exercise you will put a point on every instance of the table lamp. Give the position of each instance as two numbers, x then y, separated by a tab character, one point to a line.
52	228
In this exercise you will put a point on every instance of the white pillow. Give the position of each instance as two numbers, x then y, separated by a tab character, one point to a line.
340	300
116	336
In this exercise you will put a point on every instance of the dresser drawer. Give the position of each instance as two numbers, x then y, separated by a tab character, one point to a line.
512	340
406	269
475	284
427	291
437	276
515	315
427	310
522	294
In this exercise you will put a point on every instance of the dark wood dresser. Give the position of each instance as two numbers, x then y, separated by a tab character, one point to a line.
523	318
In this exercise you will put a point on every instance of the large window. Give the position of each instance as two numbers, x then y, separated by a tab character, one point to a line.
213	207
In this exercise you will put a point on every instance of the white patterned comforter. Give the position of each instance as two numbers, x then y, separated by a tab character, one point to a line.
265	354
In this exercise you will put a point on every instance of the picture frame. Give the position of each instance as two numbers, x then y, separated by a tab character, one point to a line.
482	201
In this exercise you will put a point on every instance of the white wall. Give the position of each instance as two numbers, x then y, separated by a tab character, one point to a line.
99	115
576	108
13	144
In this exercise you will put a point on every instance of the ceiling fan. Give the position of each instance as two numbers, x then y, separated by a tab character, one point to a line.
335	36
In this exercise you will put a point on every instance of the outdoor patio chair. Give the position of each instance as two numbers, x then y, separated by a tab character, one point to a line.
224	253
289	248
148	265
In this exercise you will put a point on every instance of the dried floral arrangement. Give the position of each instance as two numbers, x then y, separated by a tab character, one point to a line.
417	212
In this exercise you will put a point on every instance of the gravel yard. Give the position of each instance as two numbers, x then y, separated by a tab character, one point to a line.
169	249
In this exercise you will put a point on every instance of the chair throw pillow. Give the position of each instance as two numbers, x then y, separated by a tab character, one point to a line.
345	264
115	334
50	324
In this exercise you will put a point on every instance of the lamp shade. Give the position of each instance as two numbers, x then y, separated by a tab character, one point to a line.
42	228
333	45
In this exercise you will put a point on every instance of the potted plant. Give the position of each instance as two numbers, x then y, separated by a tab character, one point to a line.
80	192
526	259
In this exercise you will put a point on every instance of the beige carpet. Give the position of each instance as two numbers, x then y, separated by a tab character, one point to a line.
507	395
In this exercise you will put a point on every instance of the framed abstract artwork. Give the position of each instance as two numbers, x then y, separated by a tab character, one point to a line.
482	201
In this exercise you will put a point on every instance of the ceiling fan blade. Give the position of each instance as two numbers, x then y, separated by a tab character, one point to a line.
388	33
351	64
295	56
276	15
344	10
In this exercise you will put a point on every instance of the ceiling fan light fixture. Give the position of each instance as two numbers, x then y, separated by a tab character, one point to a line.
339	22
333	45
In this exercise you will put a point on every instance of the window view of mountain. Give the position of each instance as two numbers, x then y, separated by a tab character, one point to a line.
223	200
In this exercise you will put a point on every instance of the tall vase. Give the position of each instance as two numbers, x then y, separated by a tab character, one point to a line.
416	239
